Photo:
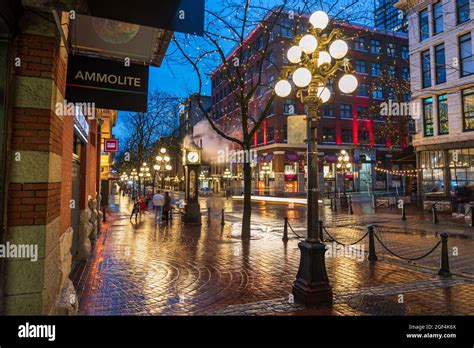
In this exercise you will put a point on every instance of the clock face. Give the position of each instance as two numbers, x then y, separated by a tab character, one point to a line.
193	157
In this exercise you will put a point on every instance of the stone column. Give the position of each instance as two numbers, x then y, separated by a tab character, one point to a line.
37	195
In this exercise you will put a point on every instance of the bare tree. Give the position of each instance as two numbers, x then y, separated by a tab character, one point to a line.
144	129
227	30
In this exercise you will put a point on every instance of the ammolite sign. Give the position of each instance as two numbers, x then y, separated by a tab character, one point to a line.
106	83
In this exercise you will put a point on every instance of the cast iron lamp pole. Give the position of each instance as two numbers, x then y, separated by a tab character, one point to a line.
313	68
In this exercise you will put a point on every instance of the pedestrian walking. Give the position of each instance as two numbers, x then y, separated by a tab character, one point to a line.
135	210
167	206
158	202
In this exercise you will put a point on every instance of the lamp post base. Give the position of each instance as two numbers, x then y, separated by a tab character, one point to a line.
311	286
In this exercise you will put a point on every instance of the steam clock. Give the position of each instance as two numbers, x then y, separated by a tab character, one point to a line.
192	166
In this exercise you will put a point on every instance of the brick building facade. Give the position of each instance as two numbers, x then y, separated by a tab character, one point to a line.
347	122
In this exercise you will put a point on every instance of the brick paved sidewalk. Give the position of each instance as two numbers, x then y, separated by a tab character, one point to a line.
143	269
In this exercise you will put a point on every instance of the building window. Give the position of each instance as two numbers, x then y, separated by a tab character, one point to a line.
346	135
405	52
468	109
289	107
465	55
362	112
461	164
362	90
443	122
375	69
377	93
462	11
440	64
432	163
375	46
426	68
424	25
328	110
428	117
390	70
406	73
438	18
329	135
286	32
391	49
361	66
359	44
346	111
270	135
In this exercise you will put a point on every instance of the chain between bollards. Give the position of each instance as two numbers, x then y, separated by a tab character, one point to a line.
444	267
285	231
372	256
435	214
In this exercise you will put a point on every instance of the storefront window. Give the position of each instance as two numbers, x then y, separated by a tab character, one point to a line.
461	164
432	163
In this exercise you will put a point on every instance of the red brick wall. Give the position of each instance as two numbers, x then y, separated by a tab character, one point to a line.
33	204
37	130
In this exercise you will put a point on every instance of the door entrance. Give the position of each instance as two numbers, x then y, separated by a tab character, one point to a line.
366	177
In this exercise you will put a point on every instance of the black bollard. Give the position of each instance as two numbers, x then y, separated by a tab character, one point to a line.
404	216
222	218
372	256
321	235
374	203
285	231
103	217
209	215
171	213
435	214
335	204
444	270
351	212
332	207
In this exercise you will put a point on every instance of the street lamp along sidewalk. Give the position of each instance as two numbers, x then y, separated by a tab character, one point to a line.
316	59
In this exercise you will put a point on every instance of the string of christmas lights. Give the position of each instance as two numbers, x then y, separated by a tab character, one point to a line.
404	172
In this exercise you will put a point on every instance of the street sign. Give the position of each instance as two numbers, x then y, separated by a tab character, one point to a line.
111	145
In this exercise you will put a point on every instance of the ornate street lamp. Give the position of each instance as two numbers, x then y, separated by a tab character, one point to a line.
317	58
343	165
162	164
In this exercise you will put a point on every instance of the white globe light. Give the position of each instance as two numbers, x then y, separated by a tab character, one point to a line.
348	165
324	94
324	57
308	44
302	77
348	83
283	88
338	49
294	54
319	20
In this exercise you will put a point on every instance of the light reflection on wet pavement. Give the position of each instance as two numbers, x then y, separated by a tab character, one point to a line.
143	269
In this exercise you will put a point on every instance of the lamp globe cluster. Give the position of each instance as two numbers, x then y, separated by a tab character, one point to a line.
313	46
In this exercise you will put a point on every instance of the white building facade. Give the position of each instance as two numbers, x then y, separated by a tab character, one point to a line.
441	35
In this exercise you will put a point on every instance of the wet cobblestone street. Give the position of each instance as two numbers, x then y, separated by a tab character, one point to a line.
148	269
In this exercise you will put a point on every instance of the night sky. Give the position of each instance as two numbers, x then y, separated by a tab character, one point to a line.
180	80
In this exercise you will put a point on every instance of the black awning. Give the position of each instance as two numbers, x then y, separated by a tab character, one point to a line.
10	11
186	16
